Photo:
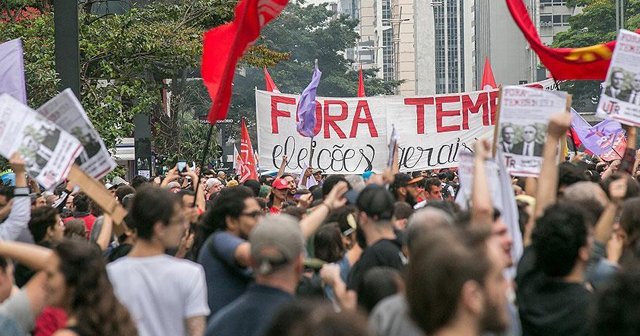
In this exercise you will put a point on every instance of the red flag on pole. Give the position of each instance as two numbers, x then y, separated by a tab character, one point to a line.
361	84
564	63
488	81
270	85
224	46
248	168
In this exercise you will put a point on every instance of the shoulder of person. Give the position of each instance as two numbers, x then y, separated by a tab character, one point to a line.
64	332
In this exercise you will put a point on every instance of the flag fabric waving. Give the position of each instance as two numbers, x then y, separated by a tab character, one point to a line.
564	63
307	105
247	168
269	84
225	45
488	81
606	139
361	84
12	70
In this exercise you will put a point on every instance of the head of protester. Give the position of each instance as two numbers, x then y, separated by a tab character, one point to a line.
77	282
455	284
277	247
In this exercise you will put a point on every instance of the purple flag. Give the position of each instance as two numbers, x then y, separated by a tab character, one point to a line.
307	105
600	138
12	70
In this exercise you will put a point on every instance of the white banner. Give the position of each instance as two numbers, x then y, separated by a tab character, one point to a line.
65	111
352	133
620	97
48	151
524	116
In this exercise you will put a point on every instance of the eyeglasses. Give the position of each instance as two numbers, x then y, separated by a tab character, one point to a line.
253	214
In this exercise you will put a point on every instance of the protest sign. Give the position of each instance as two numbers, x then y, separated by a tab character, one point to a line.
522	126
48	150
65	111
620	97
352	134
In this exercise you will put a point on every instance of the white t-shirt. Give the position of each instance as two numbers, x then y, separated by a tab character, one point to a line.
160	292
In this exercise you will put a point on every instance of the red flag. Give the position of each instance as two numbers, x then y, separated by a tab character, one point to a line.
247	169
361	84
488	81
564	63
271	86
224	46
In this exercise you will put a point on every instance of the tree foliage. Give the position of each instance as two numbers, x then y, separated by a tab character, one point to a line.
123	58
596	24
307	33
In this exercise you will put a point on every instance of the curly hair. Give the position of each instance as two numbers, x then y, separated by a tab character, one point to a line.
93	301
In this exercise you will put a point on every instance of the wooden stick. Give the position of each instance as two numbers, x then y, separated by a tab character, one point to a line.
96	191
496	126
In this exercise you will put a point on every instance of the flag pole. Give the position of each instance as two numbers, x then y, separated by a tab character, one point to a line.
311	152
205	152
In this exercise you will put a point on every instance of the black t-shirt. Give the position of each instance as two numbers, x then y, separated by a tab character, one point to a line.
384	253
547	306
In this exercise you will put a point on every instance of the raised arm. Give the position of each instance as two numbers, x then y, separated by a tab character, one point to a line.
604	226
106	232
30	255
482	206
334	199
20	213
548	180
283	166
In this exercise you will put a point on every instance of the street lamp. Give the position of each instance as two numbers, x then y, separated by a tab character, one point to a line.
619	14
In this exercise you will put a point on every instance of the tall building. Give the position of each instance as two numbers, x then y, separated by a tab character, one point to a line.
500	40
553	17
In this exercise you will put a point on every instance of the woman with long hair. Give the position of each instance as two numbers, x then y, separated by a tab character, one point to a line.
76	282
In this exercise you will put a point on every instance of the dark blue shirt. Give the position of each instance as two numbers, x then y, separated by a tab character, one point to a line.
226	279
251	314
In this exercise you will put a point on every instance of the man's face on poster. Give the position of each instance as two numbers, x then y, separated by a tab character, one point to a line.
508	133
616	79
636	83
529	134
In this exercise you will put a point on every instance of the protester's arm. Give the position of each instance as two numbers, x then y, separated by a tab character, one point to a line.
531	186
21	208
283	166
32	256
172	175
186	243
613	167
548	179
27	303
199	198
482	206
106	232
604	226
195	326
305	177
330	275
334	199
6	210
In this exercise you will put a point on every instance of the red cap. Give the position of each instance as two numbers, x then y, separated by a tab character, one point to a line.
280	184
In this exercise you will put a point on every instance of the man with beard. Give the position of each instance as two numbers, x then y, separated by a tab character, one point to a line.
401	189
455	284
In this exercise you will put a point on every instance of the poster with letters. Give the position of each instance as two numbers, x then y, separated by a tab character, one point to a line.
48	151
620	97
522	126
65	111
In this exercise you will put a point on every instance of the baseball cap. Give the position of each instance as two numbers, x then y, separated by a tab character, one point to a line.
317	170
415	180
275	242
280	184
174	185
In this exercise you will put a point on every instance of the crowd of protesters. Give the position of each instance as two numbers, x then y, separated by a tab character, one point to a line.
313	254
